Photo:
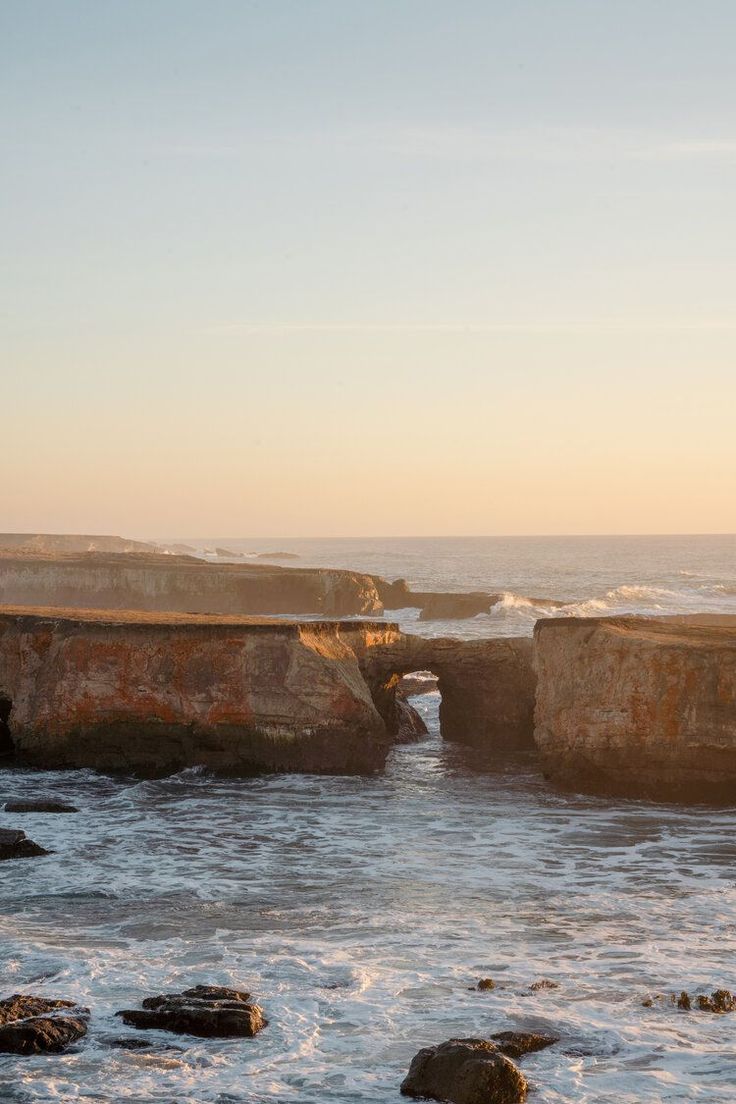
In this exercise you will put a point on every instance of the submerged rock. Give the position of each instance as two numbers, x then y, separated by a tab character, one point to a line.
465	1071
543	983
14	844
515	1044
37	1025
40	806
208	1011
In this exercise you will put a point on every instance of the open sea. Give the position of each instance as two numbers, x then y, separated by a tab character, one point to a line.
358	911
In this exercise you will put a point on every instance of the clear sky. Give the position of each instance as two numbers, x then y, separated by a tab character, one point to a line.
330	267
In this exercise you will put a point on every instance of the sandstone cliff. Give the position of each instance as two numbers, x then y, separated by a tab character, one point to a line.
639	706
181	584
153	694
487	686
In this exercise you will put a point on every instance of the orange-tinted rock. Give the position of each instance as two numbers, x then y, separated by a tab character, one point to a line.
155	693
639	706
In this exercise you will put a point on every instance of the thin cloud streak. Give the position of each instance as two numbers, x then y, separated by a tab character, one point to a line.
252	328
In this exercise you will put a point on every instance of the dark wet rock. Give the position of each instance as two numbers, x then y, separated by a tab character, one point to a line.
683	1002
515	1044
544	983
35	1025
39	807
138	1042
410	725
720	1001
485	984
465	1071
14	844
209	993
209	1011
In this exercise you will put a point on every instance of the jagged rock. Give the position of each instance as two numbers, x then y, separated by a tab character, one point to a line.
720	1001
465	1071
543	983
39	807
515	1044
410	725
206	1011
485	984
683	1002
36	1025
14	844
639	706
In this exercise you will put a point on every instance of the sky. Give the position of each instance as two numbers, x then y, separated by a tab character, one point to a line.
388	267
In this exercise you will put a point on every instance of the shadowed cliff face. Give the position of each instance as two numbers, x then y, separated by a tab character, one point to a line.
487	686
639	706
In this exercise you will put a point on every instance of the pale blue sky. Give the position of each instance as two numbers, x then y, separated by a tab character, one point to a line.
265	264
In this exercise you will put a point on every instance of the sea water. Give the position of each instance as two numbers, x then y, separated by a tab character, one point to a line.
360	911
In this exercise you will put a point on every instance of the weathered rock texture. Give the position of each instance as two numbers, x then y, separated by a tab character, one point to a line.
37	1025
487	686
208	1011
180	584
155	693
639	706
465	1071
14	844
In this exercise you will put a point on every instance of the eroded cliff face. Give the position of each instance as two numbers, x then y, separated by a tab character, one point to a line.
639	706
181	584
155	694
487	686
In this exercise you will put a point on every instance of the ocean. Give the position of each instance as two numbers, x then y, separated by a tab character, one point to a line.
359	911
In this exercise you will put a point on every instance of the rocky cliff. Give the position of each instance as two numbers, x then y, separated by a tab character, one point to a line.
153	694
639	706
181	584
487	686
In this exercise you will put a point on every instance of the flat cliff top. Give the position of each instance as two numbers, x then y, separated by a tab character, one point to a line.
696	629
164	560
142	618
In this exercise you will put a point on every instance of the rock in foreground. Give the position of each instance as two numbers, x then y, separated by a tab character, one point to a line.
465	1071
208	1011
35	1025
14	844
39	807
